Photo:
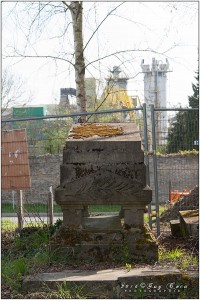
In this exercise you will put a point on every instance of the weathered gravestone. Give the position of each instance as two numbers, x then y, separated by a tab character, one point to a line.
103	164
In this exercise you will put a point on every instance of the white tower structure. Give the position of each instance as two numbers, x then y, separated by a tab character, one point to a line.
155	83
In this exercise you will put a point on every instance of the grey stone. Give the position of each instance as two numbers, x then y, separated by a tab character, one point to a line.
175	228
133	216
105	156
98	146
103	188
70	171
73	216
105	171
189	222
108	279
102	223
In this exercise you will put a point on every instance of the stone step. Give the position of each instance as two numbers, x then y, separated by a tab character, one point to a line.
189	222
116	283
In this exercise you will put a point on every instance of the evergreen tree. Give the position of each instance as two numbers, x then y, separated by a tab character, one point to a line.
184	131
194	99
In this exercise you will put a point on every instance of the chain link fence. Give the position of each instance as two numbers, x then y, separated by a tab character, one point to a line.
46	138
170	144
175	159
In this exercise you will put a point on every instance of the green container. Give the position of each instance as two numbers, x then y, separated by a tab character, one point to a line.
25	112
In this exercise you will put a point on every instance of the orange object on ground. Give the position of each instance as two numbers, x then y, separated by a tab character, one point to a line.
175	195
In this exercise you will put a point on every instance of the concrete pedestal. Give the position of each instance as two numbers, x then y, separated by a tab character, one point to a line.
103	164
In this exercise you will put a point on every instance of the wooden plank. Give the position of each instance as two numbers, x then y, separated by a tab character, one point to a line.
21	159
11	147
50	206
15	160
13	183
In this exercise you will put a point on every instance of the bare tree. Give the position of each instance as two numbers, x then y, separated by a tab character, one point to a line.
44	12
12	91
76	9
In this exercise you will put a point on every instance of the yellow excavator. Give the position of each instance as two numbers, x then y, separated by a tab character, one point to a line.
118	98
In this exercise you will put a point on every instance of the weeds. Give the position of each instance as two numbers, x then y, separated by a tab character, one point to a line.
70	290
179	257
12	272
27	250
128	267
7	224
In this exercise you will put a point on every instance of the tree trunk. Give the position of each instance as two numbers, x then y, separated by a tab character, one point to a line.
76	12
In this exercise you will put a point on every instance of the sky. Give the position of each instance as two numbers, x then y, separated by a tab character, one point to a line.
152	29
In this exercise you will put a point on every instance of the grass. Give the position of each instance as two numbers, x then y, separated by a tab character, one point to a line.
104	208
19	253
162	208
7	224
12	271
42	208
68	290
7	208
178	257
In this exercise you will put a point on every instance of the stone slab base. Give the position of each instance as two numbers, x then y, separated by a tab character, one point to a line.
137	283
99	243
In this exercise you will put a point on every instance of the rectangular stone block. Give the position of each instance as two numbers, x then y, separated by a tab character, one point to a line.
72	216
99	146
134	171
189	222
103	156
133	216
77	196
103	164
175	228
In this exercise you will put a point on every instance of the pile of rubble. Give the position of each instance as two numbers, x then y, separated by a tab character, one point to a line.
189	202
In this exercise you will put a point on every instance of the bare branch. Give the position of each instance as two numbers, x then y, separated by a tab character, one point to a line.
40	56
102	23
12	90
131	50
67	5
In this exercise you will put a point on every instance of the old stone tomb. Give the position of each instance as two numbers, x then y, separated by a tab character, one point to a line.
103	164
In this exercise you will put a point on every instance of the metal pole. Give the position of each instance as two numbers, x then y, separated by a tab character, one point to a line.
155	170
71	115
146	149
170	187
20	213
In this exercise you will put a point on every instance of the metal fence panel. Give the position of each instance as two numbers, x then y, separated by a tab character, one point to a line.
46	139
175	148
176	163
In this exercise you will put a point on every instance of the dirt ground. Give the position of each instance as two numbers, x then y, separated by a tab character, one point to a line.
190	202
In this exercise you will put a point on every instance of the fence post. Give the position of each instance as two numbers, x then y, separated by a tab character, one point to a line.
155	169
50	206
20	213
146	149
170	187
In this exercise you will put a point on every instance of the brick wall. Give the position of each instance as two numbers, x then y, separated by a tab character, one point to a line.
181	170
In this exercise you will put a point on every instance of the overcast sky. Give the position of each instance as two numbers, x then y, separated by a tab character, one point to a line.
164	27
